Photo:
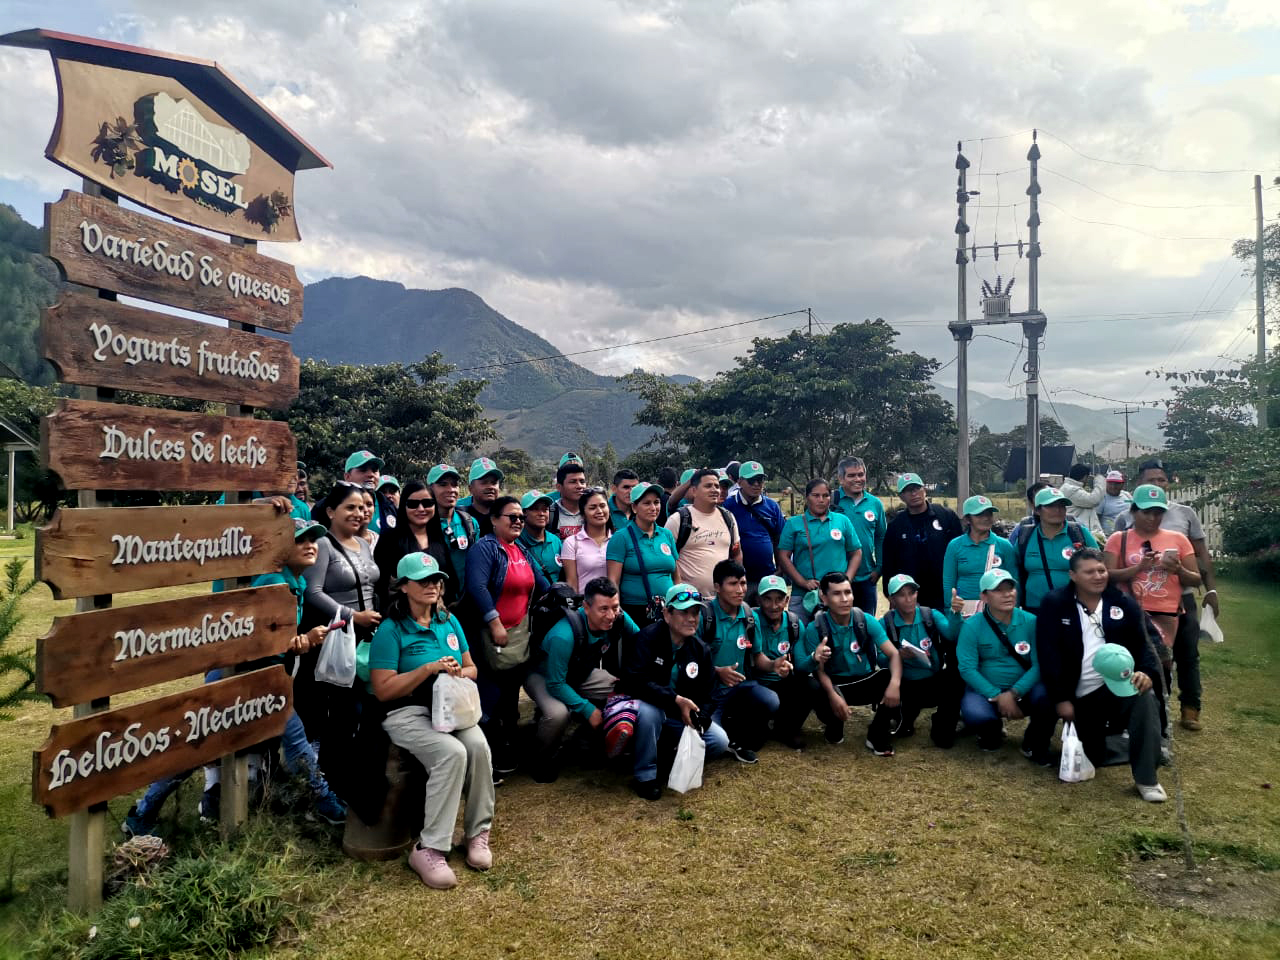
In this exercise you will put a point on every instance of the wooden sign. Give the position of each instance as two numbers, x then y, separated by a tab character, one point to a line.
99	550
100	244
90	655
104	343
98	757
113	446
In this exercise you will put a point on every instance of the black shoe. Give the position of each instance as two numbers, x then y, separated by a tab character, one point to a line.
742	754
834	732
990	743
647	789
794	741
545	772
885	751
1040	756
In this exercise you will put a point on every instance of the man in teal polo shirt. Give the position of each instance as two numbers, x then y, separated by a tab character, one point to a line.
866	513
1043	552
925	639
620	498
460	529
778	637
973	553
742	707
541	544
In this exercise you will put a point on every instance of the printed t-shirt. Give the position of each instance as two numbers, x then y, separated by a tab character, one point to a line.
1157	590
516	588
568	522
588	555
707	545
404	645
658	549
833	540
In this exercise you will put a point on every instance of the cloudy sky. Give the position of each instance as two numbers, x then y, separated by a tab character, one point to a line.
604	172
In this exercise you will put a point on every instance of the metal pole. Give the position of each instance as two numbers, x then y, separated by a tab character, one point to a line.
12	454
962	331
1260	294
1033	329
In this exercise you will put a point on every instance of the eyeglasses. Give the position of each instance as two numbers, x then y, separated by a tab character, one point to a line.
751	480
419	504
593	490
685	595
513	518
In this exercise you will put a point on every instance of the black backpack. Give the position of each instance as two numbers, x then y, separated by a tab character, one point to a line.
548	610
1075	533
709	625
930	629
859	621
686	526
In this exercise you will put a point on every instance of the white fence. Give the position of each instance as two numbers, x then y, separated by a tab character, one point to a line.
1210	514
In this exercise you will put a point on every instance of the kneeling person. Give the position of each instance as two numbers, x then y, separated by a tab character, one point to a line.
996	653
1090	636
778	630
925	639
669	671
839	648
578	669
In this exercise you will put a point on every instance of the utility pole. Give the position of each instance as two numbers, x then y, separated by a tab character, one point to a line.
1126	410
809	311
962	332
1260	294
1034	323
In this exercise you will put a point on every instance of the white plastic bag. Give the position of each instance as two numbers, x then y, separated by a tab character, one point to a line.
455	703
337	661
1209	628
1075	766
686	772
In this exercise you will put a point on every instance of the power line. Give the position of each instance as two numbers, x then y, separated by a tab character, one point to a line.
631	343
1146	206
1135	163
1122	226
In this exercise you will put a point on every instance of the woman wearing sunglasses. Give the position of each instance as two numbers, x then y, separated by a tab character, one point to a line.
411	534
583	554
502	583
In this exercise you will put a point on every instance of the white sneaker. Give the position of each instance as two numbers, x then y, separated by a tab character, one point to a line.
1152	793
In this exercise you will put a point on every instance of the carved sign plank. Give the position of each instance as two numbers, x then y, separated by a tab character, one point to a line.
100	244
98	757
113	446
91	655
103	343
97	550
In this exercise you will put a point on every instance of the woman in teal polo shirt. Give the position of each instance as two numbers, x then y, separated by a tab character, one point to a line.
815	543
418	641
642	541
973	553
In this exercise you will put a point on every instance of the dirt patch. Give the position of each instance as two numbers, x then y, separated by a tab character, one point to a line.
1218	889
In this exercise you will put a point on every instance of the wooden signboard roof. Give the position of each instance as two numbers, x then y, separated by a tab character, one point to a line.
100	244
175	134
95	758
114	446
96	654
98	550
105	343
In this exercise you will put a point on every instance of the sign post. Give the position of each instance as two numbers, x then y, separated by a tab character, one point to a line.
182	138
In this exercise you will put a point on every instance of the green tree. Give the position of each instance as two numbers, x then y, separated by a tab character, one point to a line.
29	282
17	668
411	415
800	403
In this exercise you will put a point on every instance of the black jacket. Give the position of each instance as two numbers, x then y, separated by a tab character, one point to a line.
646	672
921	559
1060	643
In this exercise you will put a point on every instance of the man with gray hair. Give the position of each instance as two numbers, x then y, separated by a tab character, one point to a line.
866	513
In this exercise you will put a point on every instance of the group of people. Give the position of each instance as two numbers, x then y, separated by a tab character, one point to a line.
630	612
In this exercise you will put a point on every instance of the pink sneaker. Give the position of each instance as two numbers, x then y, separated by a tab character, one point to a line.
479	856
431	866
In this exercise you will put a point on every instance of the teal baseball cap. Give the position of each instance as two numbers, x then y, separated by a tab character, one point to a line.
772	583
388	481
1115	665
687	475
750	470
812	601
909	480
534	496
308	530
1148	496
482	467
441	470
993	578
682	596
641	488
418	566
363	458
569	458
1051	495
898	581
975	505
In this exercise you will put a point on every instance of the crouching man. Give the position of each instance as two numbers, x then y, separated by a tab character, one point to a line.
925	639
671	674
1090	636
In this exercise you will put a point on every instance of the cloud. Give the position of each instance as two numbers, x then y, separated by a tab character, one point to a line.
598	171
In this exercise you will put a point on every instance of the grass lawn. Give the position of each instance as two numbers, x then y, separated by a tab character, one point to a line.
829	852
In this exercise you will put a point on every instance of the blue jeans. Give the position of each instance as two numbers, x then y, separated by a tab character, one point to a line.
652	724
300	755
744	712
981	714
160	791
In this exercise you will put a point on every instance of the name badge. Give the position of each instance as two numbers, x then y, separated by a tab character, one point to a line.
462	543
1022	648
691	670
936	524
855	646
926	644
784	646
837	534
870	516
1067	552
1116	613
666	549
453	641
743	642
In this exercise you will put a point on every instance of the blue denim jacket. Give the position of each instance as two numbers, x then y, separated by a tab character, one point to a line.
487	572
